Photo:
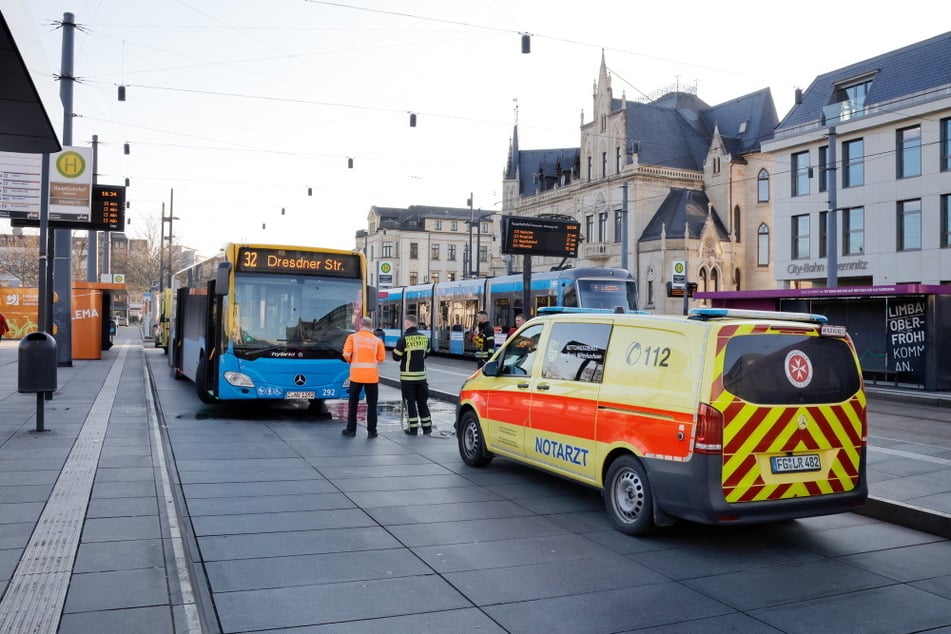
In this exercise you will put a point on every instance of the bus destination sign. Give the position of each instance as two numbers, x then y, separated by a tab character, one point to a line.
540	236
269	260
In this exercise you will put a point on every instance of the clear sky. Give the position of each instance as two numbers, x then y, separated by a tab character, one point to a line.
240	106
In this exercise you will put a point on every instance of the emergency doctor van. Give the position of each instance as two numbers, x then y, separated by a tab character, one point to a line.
723	416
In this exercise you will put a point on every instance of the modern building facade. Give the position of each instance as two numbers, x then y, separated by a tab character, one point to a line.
864	158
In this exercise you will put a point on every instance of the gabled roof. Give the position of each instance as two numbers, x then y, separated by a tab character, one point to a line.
676	130
665	138
906	71
744	122
682	209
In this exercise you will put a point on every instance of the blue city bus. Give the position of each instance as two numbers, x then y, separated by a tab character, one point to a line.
448	309
268	322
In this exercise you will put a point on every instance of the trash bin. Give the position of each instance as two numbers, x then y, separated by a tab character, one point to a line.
37	363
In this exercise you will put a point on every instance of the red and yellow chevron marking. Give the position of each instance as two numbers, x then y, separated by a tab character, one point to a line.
754	433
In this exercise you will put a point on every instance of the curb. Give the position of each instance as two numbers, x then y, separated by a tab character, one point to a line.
907	515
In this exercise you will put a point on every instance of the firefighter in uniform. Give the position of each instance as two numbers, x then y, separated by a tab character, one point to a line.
410	352
483	336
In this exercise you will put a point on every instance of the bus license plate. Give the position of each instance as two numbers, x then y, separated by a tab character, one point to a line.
299	395
793	464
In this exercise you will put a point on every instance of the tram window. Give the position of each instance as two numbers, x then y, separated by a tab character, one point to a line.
570	298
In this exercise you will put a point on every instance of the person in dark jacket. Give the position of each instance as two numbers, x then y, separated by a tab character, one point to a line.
483	337
410	352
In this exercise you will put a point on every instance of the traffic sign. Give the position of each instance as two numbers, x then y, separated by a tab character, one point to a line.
678	279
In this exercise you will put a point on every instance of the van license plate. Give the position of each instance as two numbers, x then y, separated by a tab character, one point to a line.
792	464
299	395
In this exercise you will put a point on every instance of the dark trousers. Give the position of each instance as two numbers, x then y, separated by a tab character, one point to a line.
373	394
416	398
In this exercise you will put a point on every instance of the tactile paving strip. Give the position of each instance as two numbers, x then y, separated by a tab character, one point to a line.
36	593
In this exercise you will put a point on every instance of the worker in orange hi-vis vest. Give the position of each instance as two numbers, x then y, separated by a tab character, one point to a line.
364	352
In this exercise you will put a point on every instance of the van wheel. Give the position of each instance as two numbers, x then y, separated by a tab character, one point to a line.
628	498
472	442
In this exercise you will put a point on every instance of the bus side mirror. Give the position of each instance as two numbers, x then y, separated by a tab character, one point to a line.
371	299
222	273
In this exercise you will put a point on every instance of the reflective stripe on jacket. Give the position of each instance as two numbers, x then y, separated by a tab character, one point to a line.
411	351
365	352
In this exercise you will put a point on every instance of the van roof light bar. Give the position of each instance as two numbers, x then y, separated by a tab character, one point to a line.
704	314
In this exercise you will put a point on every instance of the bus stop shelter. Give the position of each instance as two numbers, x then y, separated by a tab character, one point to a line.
902	332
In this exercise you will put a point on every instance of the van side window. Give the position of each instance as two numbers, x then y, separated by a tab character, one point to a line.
576	352
519	354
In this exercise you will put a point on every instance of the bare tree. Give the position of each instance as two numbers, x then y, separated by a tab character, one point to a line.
19	258
139	258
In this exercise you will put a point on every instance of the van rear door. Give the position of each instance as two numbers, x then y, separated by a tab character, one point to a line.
794	412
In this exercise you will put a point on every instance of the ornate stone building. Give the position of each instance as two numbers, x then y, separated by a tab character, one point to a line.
689	178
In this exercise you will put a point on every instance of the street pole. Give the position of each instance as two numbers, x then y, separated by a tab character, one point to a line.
832	277
161	252
478	255
624	226
469	263
171	236
63	238
92	241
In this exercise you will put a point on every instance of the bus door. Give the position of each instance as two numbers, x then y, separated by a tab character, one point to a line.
206	376
178	332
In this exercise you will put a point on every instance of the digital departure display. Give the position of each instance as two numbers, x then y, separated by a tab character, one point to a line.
106	213
267	260
540	236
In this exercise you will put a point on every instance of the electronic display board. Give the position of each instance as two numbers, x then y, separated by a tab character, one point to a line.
540	236
276	260
106	213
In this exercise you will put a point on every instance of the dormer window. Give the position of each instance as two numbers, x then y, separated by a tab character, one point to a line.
742	128
848	100
855	94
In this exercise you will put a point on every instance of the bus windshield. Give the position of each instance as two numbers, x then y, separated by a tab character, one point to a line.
607	294
294	311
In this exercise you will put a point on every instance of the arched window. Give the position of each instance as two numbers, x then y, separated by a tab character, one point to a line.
762	186
736	280
762	245
736	222
703	279
715	279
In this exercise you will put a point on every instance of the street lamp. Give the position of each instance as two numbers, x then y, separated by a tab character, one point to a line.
169	219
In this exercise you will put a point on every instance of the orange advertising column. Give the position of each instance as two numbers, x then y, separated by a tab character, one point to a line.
87	324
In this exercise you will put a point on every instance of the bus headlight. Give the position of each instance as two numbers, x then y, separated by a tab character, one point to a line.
238	379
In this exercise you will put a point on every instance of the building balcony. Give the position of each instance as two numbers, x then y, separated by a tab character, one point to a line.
598	251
